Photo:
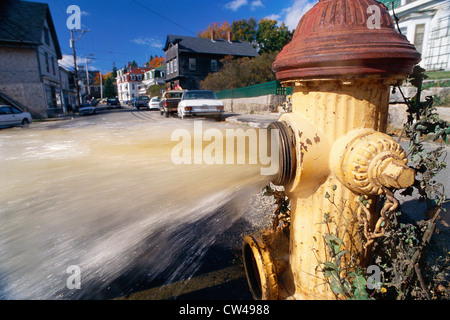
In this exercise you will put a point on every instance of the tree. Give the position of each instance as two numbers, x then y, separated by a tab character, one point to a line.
270	37
242	72
244	30
108	88
220	31
156	62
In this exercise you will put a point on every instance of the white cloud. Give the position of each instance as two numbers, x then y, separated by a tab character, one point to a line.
67	62
84	13
296	11
273	17
148	42
236	4
256	4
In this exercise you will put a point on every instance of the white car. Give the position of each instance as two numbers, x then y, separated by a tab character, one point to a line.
11	116
200	103
154	103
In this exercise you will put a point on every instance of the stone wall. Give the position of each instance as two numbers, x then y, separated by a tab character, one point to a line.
20	79
260	104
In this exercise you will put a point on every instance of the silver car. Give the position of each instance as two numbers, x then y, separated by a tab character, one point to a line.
11	116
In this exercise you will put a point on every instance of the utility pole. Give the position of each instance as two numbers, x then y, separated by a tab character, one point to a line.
87	75
101	84
72	45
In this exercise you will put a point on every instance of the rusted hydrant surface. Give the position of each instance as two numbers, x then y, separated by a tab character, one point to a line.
343	58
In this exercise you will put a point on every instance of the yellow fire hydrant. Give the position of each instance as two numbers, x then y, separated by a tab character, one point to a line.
335	156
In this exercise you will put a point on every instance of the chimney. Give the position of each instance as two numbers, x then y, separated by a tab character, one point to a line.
213	35
230	36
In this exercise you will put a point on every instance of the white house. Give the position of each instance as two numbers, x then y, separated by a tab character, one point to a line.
426	24
128	81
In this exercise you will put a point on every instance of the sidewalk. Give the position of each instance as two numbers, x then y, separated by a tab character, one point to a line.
253	120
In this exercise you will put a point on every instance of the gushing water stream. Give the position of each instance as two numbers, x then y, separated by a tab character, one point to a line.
102	198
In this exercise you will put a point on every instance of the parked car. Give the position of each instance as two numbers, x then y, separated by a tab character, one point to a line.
112	103
86	109
141	102
94	102
169	101
200	103
11	116
154	103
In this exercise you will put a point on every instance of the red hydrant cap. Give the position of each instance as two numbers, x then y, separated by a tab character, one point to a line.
346	39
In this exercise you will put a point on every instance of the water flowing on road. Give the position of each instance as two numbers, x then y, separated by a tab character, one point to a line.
102	197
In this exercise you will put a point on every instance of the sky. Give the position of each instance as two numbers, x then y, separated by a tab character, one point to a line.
127	30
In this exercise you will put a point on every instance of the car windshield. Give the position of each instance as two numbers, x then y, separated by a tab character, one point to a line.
191	95
174	95
143	98
112	99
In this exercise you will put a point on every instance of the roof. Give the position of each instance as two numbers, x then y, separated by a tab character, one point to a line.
138	70
22	22
219	46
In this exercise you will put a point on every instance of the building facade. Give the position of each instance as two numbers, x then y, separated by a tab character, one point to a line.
154	77
128	81
190	59
29	54
426	24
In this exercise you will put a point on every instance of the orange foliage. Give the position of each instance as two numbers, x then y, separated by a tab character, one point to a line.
156	62
220	31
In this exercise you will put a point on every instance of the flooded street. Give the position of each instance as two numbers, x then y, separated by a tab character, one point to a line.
102	194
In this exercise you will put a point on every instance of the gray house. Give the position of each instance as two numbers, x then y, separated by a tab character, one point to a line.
29	54
190	59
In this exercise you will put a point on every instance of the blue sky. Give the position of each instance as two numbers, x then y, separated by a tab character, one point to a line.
126	30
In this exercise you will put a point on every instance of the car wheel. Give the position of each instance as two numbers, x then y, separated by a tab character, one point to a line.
167	114
25	123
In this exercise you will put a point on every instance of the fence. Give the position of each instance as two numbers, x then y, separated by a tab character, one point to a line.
263	89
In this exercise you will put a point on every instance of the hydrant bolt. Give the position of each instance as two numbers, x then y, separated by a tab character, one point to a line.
395	174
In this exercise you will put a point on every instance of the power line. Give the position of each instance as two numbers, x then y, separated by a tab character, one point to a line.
161	16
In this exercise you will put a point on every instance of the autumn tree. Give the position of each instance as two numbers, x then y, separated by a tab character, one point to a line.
156	62
242	72
220	31
244	30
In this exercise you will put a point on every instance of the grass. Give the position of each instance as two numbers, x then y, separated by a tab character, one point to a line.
437	75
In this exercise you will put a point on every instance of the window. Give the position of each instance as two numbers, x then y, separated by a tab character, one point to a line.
213	65
175	65
47	65
192	64
133	77
53	66
418	37
171	66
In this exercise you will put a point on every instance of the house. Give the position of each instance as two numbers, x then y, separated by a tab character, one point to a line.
128	80
154	77
426	24
190	59
69	94
29	54
89	88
